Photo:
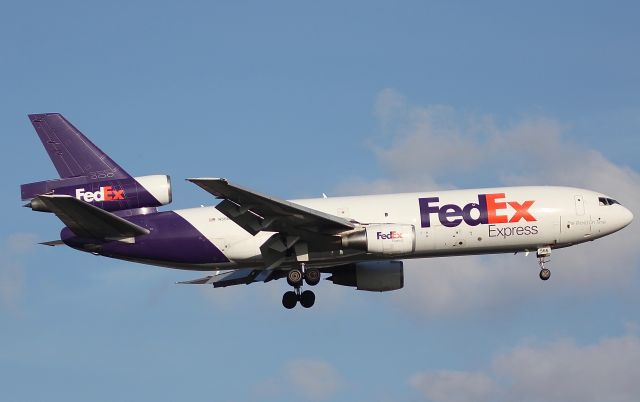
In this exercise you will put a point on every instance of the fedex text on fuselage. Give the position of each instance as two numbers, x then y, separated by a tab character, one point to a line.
490	209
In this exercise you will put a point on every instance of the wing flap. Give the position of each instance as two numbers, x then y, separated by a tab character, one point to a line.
86	220
243	276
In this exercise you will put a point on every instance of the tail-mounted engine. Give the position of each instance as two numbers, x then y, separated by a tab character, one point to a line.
108	194
386	239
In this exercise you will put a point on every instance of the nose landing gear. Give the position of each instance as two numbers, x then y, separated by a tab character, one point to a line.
295	278
544	254
545	274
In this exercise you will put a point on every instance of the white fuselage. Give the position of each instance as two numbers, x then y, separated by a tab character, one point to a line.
454	222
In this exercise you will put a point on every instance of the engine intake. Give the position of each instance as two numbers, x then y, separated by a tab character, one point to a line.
158	185
386	239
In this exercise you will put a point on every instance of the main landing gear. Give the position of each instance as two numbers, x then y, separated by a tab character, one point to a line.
543	257
295	278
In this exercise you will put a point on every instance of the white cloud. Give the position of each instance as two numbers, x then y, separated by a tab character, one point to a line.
454	386
460	285
309	379
313	379
12	275
561	371
564	371
434	147
21	243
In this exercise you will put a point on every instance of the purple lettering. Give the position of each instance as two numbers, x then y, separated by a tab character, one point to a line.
426	210
450	211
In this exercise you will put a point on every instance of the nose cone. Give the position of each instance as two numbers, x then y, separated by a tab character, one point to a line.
620	218
626	217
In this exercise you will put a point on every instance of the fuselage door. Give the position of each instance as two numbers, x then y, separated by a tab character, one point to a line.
579	205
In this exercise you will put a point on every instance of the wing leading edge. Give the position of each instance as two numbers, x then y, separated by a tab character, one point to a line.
255	212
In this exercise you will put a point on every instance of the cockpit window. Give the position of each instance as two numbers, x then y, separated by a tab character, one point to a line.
607	201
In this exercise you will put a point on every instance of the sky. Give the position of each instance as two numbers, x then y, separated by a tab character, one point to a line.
296	99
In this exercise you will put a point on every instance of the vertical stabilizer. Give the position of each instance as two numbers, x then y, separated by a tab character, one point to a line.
89	175
71	152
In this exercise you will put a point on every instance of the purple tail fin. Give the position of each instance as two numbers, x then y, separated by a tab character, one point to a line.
71	152
87	174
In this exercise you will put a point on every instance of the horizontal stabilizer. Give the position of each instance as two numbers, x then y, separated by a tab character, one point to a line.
53	243
86	220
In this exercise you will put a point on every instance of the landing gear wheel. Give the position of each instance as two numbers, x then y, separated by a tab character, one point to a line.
307	298
289	299
545	274
543	255
312	276
294	278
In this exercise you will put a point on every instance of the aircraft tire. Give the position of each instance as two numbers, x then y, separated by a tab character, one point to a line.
312	276
307	299
545	274
294	277
289	300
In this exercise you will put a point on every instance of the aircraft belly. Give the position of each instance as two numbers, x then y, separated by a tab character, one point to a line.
172	239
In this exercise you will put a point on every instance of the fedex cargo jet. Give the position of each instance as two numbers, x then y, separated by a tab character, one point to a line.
251	237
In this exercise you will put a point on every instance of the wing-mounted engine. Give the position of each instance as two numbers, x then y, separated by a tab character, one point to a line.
385	239
373	276
110	194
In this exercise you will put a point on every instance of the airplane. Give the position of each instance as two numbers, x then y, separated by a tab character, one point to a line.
248	237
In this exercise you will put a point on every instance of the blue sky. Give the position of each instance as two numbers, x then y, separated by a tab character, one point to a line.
300	98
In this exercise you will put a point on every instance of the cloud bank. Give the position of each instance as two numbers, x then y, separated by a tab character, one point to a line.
562	371
308	379
436	147
12	275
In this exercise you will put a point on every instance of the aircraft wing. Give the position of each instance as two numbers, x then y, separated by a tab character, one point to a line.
237	277
299	228
255	212
246	276
86	220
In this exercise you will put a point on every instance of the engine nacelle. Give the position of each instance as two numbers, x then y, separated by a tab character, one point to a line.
111	195
373	276
386	239
159	186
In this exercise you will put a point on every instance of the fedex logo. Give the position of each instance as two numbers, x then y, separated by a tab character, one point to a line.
106	193
392	235
490	210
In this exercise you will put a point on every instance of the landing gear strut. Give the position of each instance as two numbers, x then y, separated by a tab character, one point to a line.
295	278
543	257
